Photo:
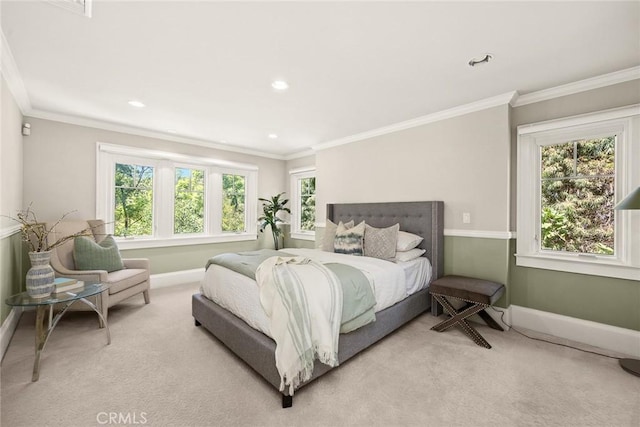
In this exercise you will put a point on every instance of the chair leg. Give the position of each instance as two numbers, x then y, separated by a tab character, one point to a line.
145	294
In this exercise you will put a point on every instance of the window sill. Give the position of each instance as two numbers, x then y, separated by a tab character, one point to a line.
579	265
141	243
304	236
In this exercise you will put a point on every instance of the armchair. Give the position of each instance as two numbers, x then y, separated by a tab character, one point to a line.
130	281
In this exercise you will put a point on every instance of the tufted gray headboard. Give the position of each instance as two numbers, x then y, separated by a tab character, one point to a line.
425	219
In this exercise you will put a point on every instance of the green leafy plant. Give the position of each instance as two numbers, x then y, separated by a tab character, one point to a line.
270	209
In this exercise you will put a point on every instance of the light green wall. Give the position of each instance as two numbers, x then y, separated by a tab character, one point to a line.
295	243
177	258
599	299
11	186
480	258
613	302
12	270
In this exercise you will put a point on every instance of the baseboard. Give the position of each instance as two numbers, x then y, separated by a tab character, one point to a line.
621	340
176	278
8	328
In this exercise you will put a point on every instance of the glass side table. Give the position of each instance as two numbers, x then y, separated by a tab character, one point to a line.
67	298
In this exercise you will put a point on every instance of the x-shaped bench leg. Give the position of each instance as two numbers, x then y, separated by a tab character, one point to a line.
459	318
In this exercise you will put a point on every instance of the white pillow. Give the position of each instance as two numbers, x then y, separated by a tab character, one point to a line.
407	241
409	255
330	234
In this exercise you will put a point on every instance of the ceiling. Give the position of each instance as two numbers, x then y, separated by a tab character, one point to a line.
204	69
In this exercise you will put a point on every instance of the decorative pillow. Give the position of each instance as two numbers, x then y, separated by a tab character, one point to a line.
409	255
380	242
330	234
90	255
407	241
349	240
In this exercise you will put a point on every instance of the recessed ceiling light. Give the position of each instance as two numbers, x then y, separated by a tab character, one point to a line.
482	60
280	85
273	136
137	104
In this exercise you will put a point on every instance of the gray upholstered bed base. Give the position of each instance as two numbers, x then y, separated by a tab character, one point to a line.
258	350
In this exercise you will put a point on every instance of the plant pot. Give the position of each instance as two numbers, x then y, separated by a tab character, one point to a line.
40	276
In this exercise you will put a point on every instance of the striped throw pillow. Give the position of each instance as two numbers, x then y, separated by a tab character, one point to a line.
349	240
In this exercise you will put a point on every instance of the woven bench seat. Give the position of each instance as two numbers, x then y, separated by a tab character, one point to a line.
478	294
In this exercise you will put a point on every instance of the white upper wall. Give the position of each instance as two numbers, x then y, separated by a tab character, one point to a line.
10	158
463	161
60	165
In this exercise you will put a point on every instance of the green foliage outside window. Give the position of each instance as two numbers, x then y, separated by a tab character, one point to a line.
307	204
189	201
233	199
577	196
133	200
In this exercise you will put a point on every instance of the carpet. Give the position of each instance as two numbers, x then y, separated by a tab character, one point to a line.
161	370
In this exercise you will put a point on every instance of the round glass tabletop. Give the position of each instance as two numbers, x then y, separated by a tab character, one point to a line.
23	299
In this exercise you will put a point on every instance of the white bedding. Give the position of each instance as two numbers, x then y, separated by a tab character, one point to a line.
391	283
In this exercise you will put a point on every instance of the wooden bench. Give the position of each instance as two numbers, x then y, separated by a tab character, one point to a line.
478	295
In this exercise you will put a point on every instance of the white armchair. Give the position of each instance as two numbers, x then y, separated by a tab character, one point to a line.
130	281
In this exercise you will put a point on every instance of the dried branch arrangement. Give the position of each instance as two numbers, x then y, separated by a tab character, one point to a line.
36	234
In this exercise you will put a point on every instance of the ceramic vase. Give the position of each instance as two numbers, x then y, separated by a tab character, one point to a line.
40	276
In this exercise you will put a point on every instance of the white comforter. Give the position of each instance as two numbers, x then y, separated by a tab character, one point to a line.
387	279
240	295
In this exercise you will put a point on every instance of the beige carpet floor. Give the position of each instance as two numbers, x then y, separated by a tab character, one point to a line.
161	370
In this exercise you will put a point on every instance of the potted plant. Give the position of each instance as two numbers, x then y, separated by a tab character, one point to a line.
40	277
270	208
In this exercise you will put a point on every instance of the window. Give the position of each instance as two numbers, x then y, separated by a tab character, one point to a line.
571	173
133	193
233	203
303	203
152	198
577	196
188	204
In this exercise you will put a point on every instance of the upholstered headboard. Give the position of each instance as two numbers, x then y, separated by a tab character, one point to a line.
425	219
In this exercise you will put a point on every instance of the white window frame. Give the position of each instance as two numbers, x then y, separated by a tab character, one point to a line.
164	163
625	123
296	175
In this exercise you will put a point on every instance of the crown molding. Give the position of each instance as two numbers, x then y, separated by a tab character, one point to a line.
504	99
131	130
300	154
12	76
579	86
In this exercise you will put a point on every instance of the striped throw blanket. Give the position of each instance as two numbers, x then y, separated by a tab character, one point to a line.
305	315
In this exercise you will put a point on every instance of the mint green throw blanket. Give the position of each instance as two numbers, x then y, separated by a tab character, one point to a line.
358	298
245	263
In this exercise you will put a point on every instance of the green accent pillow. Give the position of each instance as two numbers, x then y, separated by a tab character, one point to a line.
90	255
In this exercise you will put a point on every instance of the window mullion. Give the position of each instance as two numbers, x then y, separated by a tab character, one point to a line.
214	198
164	198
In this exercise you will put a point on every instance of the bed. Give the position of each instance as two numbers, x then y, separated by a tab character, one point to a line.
258	350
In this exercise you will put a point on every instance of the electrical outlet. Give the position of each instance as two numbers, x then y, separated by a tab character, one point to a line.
466	218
